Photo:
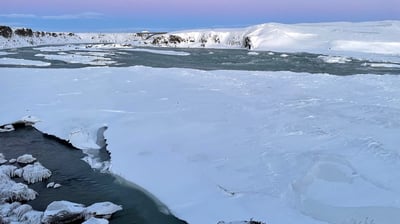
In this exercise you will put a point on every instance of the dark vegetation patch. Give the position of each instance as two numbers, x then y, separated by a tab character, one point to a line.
5	31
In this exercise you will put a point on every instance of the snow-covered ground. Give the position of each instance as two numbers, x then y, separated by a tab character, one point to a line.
279	147
366	40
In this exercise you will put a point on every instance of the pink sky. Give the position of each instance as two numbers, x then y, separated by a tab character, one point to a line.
205	13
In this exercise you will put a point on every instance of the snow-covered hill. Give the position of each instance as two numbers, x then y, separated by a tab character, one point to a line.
366	40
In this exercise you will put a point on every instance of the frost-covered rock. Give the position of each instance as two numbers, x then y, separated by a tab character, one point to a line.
63	212
12	191
8	170
18	172
35	172
53	185
50	185
21	210
30	120
2	159
12	161
7	208
26	159
7	128
96	221
17	213
102	210
32	217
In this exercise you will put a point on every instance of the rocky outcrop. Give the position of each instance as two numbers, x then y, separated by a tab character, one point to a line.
6	31
167	40
24	32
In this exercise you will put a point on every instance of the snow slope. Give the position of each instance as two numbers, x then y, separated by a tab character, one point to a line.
279	147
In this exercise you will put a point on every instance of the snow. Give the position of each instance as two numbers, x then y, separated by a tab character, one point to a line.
35	173
382	65
334	59
102	210
59	210
2	53
78	58
279	147
164	52
376	40
50	185
253	53
12	191
26	158
96	221
7	128
8	170
2	159
25	62
12	161
367	40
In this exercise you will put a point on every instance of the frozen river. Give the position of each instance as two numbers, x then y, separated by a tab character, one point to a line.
83	55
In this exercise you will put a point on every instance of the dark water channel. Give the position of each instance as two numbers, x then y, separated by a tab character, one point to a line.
80	183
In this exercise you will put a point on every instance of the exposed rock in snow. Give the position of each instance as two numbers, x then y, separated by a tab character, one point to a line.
102	210
12	161
53	185
26	159
2	159
32	217
29	120
63	212
21	210
18	172
96	221
8	170
50	185
7	208
35	172
17	213
12	191
7	128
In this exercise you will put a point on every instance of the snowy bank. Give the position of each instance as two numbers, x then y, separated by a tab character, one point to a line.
278	147
367	40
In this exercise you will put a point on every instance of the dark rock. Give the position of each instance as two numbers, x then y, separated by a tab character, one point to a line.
247	43
5	31
24	32
175	39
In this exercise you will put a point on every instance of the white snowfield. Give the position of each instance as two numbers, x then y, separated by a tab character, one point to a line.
278	147
367	40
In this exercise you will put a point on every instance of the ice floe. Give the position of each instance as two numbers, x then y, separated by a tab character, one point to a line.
26	159
8	170
334	59
12	191
75	58
7	128
63	211
164	52
2	159
96	221
23	62
102	210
